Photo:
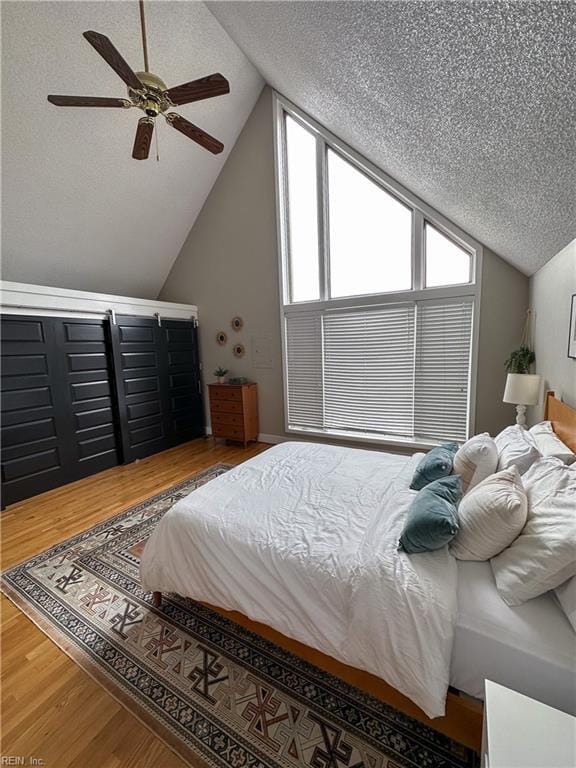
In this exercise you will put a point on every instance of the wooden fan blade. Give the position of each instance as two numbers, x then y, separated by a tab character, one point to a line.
111	56
143	138
204	88
195	133
87	101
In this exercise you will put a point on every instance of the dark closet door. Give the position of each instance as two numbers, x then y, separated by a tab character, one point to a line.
184	395
157	384
87	373
57	417
33	454
137	367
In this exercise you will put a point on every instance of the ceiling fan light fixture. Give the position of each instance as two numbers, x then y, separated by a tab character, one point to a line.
151	106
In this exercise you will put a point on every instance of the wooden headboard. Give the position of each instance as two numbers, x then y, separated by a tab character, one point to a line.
563	420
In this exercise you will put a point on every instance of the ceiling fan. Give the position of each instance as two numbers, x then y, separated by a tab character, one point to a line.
148	92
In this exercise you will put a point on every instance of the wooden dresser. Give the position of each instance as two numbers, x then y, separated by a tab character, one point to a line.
234	411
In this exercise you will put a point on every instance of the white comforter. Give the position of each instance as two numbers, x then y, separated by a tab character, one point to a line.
303	538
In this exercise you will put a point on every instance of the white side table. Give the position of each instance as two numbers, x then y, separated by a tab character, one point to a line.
522	733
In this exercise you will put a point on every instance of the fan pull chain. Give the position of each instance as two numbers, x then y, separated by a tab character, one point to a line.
157	151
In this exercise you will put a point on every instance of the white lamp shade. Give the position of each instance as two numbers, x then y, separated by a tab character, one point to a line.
522	389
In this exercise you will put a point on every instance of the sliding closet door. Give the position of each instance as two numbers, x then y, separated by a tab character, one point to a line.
137	365
157	384
33	411
92	427
183	392
58	421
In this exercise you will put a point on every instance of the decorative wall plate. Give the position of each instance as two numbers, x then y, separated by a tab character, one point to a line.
221	338
238	350
237	323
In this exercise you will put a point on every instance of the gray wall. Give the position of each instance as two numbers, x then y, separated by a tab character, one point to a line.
551	290
228	266
503	306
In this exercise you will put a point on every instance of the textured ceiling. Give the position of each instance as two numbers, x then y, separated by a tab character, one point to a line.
472	106
77	211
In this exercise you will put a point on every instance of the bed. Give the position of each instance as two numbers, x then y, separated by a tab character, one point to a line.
252	541
303	538
530	648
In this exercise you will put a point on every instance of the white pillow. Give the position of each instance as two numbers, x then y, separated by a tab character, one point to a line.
544	554
566	594
516	446
490	516
475	460
549	444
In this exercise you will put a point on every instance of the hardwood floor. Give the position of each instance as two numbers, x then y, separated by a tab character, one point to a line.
51	709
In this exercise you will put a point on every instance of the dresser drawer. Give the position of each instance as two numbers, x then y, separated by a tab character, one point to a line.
225	406
228	431
234	419
227	394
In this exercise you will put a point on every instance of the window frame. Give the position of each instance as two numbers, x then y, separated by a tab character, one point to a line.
421	213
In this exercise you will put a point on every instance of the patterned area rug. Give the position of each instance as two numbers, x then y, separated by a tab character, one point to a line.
216	693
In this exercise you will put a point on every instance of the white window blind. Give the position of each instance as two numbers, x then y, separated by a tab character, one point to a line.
442	373
369	370
400	370
304	370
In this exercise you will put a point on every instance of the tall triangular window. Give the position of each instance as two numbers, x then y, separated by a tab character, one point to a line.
379	298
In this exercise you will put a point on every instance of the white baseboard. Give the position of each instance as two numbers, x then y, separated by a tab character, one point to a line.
263	438
273	439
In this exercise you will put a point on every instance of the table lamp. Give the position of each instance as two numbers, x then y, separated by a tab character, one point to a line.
522	389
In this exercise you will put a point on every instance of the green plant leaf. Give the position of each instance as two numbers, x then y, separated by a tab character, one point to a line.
520	360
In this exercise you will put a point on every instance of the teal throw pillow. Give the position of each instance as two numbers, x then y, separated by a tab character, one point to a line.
432	520
437	463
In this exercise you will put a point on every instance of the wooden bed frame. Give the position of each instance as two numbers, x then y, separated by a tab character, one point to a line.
463	719
563	420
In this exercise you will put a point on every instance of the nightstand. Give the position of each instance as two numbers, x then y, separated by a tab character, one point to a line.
234	411
520	732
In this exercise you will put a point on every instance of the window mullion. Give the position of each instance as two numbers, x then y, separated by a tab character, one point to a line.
284	202
417	250
322	211
415	320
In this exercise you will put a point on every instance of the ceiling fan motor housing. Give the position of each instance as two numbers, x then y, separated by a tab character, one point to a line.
151	99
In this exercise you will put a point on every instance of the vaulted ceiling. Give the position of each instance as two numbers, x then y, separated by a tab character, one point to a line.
471	105
77	210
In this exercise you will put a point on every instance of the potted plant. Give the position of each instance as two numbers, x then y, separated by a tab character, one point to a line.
520	360
220	374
